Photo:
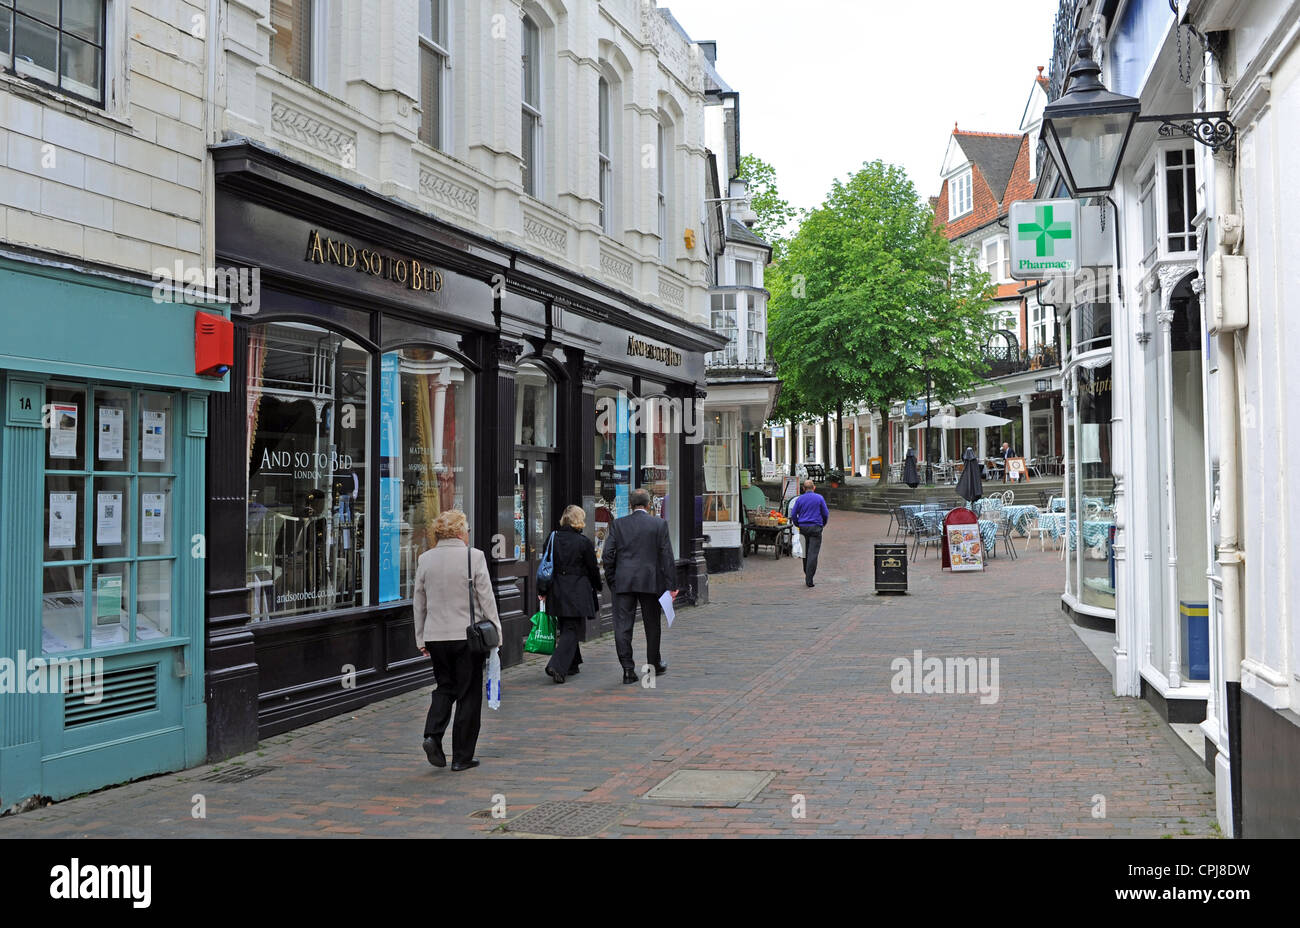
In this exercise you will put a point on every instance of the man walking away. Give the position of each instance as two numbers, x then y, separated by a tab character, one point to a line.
639	568
810	514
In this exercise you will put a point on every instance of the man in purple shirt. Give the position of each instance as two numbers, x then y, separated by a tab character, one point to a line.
810	514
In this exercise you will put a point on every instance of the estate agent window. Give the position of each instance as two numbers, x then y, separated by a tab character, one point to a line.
109	554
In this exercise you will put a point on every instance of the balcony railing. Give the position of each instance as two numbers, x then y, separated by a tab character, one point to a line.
729	365
1004	361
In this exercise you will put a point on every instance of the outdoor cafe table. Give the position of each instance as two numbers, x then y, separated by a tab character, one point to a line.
1017	516
933	520
1094	532
1057	503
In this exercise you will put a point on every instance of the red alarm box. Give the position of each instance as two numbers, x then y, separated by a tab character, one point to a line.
214	344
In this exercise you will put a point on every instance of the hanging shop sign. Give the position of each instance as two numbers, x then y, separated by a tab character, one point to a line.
405	271
915	407
1045	238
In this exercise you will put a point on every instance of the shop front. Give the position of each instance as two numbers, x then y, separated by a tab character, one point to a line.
102	535
395	368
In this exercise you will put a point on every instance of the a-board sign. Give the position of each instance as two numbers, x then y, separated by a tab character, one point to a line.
1016	469
965	547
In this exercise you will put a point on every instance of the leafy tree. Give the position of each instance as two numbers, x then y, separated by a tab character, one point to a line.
774	213
870	297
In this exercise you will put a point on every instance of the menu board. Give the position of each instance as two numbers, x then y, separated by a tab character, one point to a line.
965	547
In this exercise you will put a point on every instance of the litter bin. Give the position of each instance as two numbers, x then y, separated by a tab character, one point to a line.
891	568
1196	639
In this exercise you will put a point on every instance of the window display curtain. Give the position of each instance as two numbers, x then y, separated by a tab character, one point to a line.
253	387
427	507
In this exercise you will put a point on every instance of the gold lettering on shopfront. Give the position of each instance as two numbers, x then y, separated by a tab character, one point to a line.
409	273
641	349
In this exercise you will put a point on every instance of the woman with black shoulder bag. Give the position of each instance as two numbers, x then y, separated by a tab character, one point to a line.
455	620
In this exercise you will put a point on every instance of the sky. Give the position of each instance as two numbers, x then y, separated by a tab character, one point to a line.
828	84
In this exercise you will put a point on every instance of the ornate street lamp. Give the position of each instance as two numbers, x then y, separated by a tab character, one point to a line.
1042	385
1087	129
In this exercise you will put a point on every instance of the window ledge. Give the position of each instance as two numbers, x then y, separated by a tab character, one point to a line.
105	116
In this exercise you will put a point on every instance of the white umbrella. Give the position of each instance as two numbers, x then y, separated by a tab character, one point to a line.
977	420
938	422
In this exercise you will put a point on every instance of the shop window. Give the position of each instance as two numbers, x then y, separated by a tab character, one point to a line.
660	474
721	477
308	428
534	407
613	477
109	554
59	43
1091	504
424	448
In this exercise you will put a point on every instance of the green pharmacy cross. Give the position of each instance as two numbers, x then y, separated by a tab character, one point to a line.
1044	232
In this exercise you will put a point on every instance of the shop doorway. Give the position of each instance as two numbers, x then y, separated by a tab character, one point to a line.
536	507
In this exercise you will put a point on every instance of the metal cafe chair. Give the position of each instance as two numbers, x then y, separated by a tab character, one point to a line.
926	531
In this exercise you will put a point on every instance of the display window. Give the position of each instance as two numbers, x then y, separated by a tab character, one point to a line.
661	473
109	557
1091	504
309	398
721	475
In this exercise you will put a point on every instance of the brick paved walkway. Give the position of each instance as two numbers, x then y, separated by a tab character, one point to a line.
771	676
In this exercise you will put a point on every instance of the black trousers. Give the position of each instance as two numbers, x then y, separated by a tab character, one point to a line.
459	676
568	650
812	546
625	618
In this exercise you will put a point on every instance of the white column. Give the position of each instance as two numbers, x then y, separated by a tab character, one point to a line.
1173	640
983	449
907	439
817	443
798	449
1025	400
771	439
857	451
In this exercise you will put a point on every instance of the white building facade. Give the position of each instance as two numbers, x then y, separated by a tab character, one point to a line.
1182	438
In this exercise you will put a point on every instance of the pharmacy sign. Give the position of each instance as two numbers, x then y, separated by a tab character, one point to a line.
1044	239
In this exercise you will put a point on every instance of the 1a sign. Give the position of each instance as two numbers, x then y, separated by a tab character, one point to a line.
1045	238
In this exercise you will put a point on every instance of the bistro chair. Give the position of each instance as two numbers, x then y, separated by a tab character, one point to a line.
1004	534
901	525
925	526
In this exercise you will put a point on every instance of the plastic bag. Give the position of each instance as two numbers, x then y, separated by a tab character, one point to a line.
796	543
541	640
492	679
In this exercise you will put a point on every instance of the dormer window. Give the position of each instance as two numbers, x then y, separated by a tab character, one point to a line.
959	195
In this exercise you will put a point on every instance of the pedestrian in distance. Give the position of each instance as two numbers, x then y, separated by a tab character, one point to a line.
639	568
1007	455
446	576
572	594
809	513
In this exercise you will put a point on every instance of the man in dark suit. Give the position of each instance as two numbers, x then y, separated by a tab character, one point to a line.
639	567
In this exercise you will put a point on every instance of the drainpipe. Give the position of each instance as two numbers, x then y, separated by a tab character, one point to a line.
1228	230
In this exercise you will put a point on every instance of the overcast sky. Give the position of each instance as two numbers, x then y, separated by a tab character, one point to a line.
828	84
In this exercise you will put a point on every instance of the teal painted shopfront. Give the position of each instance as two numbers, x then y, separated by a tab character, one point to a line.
102	552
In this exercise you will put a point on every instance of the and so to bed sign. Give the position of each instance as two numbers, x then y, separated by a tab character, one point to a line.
1044	238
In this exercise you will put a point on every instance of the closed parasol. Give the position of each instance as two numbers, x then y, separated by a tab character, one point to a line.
969	487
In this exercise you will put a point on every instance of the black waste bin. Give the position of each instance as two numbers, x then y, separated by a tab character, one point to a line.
891	568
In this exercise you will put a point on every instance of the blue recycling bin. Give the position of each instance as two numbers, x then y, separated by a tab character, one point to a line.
1196	639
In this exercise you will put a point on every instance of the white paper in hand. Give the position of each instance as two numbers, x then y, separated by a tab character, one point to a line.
666	602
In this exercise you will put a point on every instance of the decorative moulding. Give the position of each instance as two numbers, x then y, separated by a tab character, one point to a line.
549	236
460	198
615	267
310	131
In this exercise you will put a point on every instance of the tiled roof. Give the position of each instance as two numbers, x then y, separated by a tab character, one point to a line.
995	153
738	232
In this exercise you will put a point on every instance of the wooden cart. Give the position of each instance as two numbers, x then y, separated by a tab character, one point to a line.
762	529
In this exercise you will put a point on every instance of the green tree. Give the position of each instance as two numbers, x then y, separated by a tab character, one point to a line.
774	214
870	298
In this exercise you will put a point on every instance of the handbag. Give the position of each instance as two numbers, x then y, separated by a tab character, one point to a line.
546	569
482	636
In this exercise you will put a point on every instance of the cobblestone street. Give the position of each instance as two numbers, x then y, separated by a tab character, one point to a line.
770	677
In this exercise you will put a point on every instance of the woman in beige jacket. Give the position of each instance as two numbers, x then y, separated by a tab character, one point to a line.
441	612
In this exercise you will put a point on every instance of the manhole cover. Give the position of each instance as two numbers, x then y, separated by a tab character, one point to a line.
712	786
236	774
567	818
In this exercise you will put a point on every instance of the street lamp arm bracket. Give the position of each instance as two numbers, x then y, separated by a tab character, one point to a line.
1212	129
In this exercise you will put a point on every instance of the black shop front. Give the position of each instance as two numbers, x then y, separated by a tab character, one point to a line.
392	367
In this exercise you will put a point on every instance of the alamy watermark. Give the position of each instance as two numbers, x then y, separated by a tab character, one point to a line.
650	415
241	287
71	676
919	674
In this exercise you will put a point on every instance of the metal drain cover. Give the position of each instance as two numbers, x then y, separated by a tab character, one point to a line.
236	774
567	818
712	787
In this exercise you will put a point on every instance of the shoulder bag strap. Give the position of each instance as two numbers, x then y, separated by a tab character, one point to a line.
469	582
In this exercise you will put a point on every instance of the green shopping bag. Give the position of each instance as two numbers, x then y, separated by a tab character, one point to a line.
541	640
